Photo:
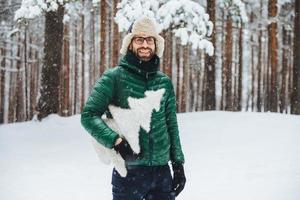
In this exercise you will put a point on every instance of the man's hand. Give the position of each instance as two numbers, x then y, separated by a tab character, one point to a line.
123	148
178	178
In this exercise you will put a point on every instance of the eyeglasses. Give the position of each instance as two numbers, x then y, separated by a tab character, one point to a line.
140	40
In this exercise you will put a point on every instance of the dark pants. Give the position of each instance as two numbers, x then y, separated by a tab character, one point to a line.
143	182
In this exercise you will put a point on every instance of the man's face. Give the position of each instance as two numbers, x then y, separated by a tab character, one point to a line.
143	47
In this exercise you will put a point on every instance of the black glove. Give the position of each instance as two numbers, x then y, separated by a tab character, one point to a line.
178	178
125	150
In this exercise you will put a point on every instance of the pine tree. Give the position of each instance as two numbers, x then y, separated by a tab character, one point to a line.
49	99
228	65
210	88
103	38
273	55
2	83
295	108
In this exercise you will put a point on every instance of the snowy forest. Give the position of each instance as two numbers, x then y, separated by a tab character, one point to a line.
233	55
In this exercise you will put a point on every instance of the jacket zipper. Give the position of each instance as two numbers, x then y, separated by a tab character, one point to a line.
150	134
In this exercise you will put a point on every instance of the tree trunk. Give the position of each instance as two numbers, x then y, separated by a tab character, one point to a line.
185	67
259	66
228	65
103	18
192	91
65	74
273	54
290	69
49	101
295	106
282	102
267	104
20	112
167	57
210	88
36	82
12	93
223	76
203	84
240	76
252	75
178	64
198	93
82	99
26	70
33	80
116	35
2	81
92	56
164	60
75	78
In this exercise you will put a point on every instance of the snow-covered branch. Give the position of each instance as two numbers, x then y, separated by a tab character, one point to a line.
33	8
186	18
189	22
236	9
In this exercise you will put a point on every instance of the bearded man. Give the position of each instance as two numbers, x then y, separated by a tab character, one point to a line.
149	175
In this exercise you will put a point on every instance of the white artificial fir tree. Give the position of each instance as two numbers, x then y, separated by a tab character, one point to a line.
127	123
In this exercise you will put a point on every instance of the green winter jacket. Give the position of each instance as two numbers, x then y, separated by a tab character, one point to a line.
133	77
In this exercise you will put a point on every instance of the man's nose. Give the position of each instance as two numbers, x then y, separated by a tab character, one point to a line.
145	44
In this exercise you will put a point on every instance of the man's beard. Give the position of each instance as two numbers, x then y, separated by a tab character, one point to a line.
144	57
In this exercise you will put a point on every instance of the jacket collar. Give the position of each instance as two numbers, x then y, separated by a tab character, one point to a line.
143	68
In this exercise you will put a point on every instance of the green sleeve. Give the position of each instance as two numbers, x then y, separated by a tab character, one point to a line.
172	125
97	103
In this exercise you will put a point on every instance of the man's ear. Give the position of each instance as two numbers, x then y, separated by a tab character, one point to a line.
130	47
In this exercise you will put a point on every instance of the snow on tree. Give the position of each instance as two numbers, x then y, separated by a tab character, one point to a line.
50	81
33	8
187	19
236	10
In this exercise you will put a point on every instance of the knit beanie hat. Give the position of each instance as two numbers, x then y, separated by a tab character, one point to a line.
144	25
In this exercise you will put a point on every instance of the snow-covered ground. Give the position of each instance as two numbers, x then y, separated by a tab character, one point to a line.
229	156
